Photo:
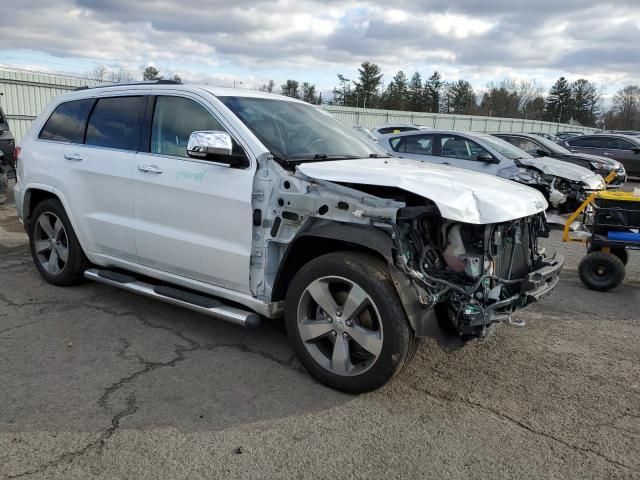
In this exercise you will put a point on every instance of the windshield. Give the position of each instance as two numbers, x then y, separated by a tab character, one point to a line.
502	147
295	131
553	147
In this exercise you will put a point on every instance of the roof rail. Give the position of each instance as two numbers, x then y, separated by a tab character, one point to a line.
124	84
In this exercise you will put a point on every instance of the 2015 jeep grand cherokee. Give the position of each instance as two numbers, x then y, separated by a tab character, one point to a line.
244	205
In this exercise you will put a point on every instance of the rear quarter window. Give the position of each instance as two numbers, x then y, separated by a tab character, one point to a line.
67	122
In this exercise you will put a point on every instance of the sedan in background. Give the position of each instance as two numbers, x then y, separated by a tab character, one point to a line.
564	135
563	184
623	148
394	128
548	136
366	132
541	147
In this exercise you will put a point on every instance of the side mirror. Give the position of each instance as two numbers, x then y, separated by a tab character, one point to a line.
487	157
542	152
636	150
213	145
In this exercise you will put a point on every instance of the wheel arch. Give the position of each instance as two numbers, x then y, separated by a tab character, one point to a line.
35	194
334	236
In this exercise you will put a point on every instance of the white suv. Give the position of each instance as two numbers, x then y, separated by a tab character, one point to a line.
243	205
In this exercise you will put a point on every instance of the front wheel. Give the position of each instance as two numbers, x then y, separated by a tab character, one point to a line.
346	323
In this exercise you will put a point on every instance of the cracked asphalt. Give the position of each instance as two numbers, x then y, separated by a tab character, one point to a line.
99	383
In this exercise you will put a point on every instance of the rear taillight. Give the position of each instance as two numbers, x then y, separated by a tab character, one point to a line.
16	152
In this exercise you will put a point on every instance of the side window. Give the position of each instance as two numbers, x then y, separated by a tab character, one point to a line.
420	144
67	122
174	120
619	144
458	147
527	145
115	123
584	141
397	144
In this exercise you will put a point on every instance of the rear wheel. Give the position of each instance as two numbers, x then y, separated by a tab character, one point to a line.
601	271
55	249
346	323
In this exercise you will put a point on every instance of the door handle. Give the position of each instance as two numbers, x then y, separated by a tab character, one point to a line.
150	169
607	153
74	157
446	163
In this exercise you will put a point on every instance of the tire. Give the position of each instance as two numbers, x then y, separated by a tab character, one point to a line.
329	341
621	253
55	249
601	271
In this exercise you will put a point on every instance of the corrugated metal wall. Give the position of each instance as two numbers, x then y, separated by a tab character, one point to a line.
370	118
25	94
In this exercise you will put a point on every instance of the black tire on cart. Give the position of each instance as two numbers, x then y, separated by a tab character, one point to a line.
601	271
621	253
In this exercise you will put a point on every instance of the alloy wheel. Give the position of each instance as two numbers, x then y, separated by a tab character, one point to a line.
51	243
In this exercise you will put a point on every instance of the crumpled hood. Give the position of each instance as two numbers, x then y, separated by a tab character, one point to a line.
561	169
460	195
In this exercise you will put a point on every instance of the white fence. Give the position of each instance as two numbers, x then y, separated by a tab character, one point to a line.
23	95
370	118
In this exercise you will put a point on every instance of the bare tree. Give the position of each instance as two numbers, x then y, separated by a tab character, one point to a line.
121	76
98	73
268	87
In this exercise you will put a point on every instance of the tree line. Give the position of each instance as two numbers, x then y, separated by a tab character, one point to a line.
578	101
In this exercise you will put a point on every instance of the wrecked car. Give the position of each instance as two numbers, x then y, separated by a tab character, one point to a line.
563	185
243	205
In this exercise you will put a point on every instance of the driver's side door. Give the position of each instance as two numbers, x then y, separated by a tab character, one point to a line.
192	216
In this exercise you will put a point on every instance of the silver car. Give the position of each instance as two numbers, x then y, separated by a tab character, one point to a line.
564	185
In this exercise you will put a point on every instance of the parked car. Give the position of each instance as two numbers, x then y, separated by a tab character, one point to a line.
548	136
366	132
241	205
564	185
565	135
7	146
541	147
394	128
623	148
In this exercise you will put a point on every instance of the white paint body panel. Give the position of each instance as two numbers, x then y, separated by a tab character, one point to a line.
194	219
460	195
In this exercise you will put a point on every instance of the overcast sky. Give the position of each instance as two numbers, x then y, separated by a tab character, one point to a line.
253	41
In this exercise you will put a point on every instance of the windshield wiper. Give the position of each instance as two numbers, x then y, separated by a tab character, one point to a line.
319	156
379	155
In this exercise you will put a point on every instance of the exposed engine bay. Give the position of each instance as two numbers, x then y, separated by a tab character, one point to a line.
472	274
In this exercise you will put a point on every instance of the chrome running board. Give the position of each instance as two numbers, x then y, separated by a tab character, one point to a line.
181	298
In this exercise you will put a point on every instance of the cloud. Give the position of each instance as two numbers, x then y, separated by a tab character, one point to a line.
596	39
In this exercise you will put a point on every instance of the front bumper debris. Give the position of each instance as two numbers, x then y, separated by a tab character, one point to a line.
540	282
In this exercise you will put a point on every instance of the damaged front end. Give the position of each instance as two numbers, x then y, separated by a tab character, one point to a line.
563	194
474	275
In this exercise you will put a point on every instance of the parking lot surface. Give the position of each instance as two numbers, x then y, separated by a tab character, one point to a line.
99	383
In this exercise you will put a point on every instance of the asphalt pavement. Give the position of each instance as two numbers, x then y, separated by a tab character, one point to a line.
100	383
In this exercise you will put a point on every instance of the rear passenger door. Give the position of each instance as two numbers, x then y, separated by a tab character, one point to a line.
416	147
97	175
593	144
193	216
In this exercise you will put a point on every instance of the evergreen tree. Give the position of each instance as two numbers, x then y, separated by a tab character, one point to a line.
309	93
415	93
461	98
151	73
367	87
433	89
587	101
558	106
268	87
291	88
396	93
